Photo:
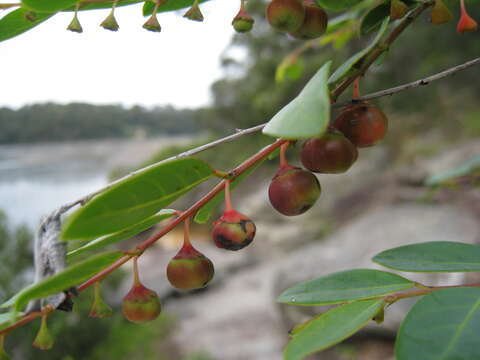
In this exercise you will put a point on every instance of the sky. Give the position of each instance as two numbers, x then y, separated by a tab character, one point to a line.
130	66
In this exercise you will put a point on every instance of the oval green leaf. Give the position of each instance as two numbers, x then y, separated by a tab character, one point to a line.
136	198
435	256
337	5
308	114
443	325
344	286
48	5
374	18
16	23
121	235
347	67
71	276
168	6
330	328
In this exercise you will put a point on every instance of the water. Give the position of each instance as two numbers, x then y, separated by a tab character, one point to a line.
37	179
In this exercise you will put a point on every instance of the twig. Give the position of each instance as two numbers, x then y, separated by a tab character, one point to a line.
380	49
414	84
166	229
241	132
9	5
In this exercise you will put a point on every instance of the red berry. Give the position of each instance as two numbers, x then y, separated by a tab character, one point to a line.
233	231
363	124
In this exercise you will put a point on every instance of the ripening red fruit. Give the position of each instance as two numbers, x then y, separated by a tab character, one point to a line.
363	124
332	153
285	15
293	190
314	24
233	231
189	269
466	23
141	304
242	22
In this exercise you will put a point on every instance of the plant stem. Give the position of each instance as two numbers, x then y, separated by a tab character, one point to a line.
379	50
420	292
283	155
228	199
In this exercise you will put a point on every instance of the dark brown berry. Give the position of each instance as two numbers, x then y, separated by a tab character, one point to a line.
285	15
363	124
314	24
293	190
332	153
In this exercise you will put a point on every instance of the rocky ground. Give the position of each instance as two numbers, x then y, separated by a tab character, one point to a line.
367	210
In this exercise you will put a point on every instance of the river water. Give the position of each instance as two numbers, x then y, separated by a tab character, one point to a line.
36	179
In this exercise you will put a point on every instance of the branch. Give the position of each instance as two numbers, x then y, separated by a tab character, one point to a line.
10	5
233	174
413	84
379	50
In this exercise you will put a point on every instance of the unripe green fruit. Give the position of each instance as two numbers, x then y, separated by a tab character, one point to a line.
293	190
285	15
363	124
332	153
189	269
398	9
314	24
141	304
233	231
242	25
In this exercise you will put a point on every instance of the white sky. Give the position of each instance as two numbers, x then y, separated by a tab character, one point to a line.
130	66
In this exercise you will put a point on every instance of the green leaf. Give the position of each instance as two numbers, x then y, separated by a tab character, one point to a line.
308	114
374	18
16	23
48	5
330	328
347	67
470	167
206	210
443	325
121	235
71	276
435	256
132	200
103	5
337	5
168	6
344	286
340	21
291	68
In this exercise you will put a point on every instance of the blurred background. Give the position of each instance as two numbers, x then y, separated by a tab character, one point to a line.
78	111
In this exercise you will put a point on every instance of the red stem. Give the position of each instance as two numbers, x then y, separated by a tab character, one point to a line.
186	233
462	6
356	88
228	199
136	278
283	155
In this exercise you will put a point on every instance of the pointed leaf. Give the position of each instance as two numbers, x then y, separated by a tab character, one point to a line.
16	23
374	18
136	198
435	256
443	325
71	276
122	235
344	286
308	114
337	5
346	68
206	210
331	328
